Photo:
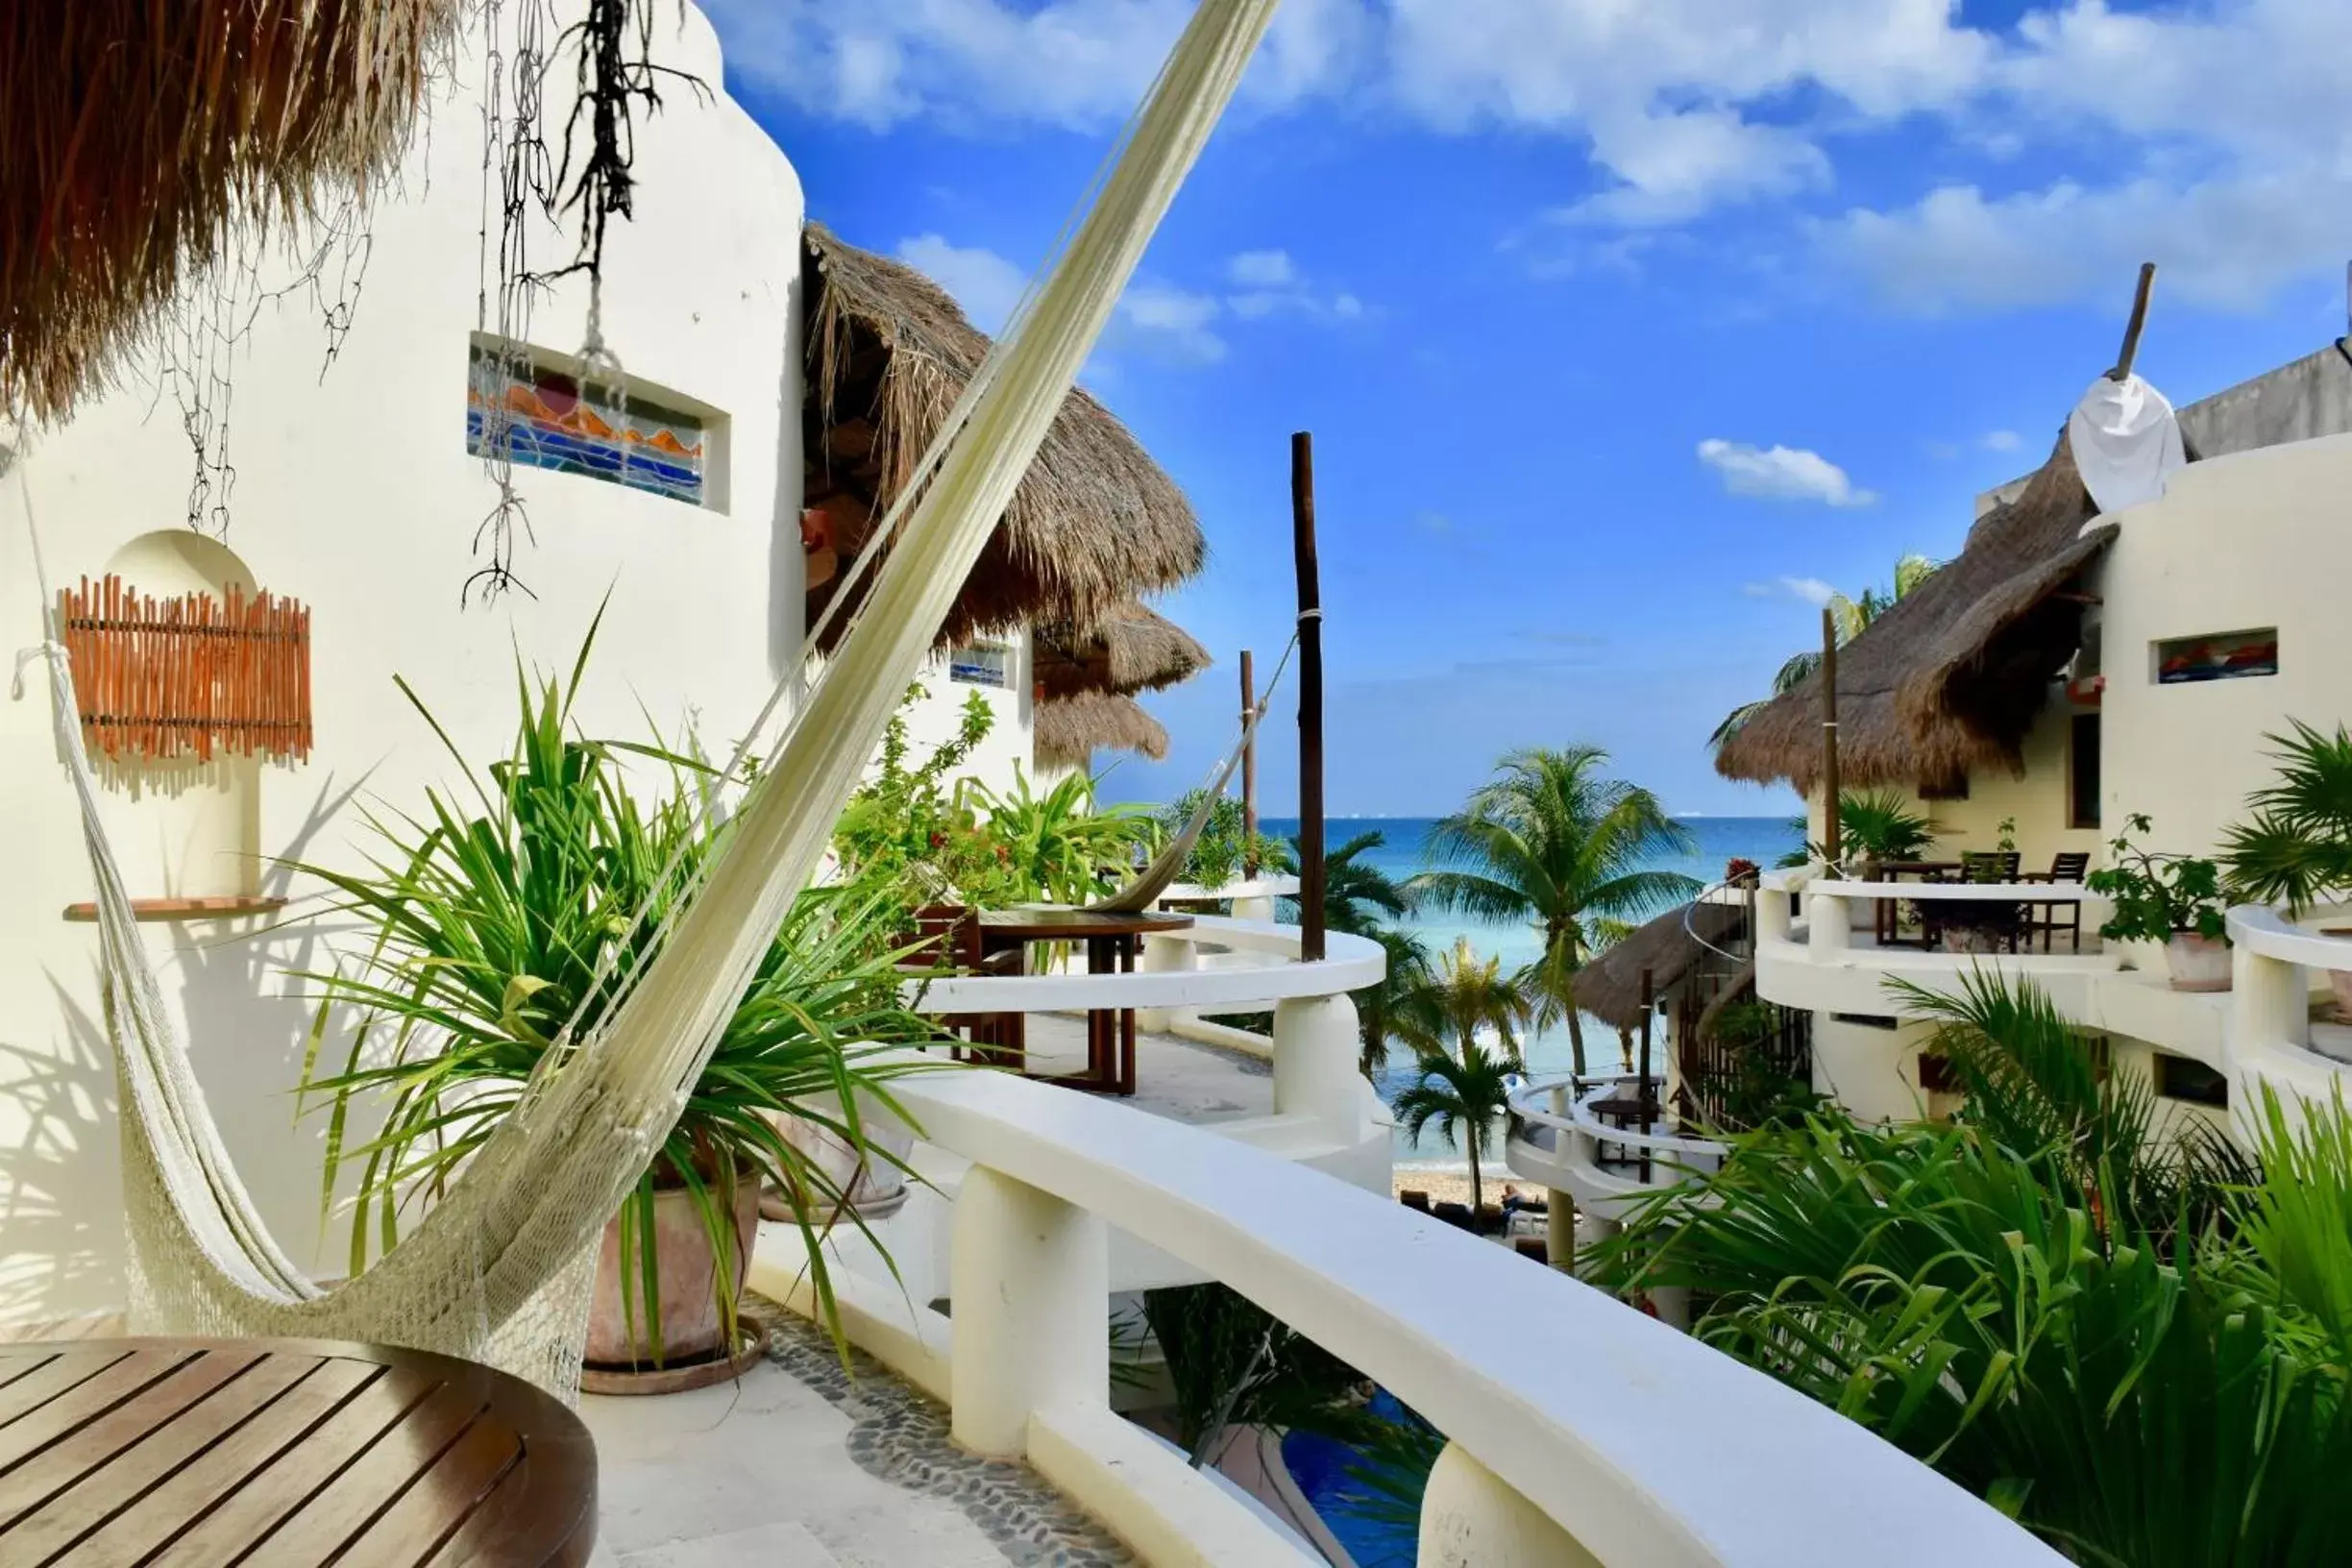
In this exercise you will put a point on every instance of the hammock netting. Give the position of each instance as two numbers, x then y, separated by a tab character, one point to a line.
499	1269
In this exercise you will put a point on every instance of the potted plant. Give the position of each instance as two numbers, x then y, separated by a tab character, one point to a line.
504	926
2297	848
1878	829
2173	899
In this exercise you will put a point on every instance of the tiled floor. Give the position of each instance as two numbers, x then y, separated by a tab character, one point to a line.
802	1465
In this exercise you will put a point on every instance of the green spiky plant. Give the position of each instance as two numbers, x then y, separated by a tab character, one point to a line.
507	923
2132	1341
2297	848
1060	845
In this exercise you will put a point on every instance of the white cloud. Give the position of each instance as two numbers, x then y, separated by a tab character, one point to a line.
2002	441
1781	472
1811	590
1262	269
986	284
1171	323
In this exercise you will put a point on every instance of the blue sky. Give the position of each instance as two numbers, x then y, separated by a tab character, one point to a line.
1623	327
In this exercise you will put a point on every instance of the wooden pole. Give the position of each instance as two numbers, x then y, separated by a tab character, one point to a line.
2138	319
1311	698
1833	828
1249	766
1643	1096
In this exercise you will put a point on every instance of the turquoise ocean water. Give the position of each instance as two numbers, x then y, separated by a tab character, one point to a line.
1717	841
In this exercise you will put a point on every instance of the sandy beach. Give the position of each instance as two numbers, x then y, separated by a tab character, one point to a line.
1453	1186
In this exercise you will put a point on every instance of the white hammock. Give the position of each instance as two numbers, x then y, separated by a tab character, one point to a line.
499	1269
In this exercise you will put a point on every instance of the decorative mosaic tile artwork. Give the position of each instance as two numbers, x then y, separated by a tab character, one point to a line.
552	421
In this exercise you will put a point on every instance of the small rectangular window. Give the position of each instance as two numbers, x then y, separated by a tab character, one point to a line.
541	410
1866	1020
1936	1075
2184	1078
2082	771
2221	655
981	664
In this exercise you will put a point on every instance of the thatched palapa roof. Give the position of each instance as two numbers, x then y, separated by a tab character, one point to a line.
1949	679
1070	729
1095	523
1133	648
137	135
1609	987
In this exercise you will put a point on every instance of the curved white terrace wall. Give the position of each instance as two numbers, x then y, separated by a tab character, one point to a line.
354	493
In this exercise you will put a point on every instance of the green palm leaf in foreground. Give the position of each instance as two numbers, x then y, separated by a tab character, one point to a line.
2145	1365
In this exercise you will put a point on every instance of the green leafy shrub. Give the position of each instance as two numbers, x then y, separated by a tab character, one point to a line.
2296	849
2155	898
1225	846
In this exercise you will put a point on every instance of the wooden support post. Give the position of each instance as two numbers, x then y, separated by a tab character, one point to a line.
1249	766
1833	828
1647	1100
2138	319
1311	698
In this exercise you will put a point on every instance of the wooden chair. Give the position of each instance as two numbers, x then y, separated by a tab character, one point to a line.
947	940
2068	867
1979	867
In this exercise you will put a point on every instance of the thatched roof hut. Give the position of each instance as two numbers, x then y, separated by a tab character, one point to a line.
1133	649
1095	523
1069	730
1949	679
137	135
1609	987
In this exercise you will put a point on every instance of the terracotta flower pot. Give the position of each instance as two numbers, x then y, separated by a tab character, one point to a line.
875	1185
2199	963
685	1274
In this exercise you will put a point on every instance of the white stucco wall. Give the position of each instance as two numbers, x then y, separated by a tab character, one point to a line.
354	494
939	715
2258	539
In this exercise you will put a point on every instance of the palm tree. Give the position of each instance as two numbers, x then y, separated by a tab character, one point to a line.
1355	892
1461	1085
1379	1009
1553	841
1850	616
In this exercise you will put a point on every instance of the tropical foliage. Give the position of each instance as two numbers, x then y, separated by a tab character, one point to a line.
1358	895
2154	897
1849	617
1459	1085
1059	846
1226	846
2121	1332
2296	849
1231	1364
1551	839
505	927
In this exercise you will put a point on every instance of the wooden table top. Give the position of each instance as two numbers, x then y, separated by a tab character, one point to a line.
291	1452
1077	924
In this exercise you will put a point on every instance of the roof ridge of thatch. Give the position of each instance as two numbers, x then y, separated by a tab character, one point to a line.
1095	521
1609	986
1947	680
1132	649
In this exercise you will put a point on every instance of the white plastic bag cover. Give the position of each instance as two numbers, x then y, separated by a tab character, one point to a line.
2126	442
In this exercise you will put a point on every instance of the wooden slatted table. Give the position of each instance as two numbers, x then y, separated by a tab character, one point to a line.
288	1452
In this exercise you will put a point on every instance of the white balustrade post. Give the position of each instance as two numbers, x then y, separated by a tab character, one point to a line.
1772	915
1471	1519
2269	1006
1828	927
1258	907
1559	1217
1316	1043
1030	1283
1168	954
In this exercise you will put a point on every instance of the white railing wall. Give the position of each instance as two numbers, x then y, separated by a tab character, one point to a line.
1632	1445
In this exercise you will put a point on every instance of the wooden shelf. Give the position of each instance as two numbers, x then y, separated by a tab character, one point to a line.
184	909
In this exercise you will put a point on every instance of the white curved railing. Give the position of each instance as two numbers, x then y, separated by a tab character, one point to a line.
1261	964
2270	1033
1571	1163
1643	1447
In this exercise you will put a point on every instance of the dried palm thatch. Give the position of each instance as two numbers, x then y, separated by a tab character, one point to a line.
1609	987
137	135
1133	648
1094	523
1070	729
1949	679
